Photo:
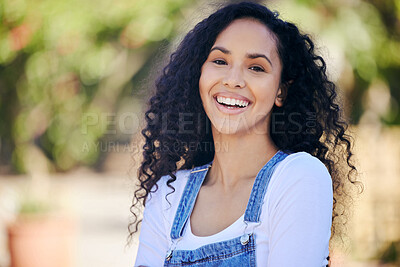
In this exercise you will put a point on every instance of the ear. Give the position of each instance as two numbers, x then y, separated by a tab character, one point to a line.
279	99
282	93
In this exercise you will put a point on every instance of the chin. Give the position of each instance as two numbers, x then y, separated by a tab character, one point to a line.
229	127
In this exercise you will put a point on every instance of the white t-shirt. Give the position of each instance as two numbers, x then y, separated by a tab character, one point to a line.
295	220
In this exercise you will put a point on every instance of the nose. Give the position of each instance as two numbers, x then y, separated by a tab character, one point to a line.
234	78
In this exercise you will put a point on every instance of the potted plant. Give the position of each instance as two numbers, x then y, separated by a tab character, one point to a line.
41	235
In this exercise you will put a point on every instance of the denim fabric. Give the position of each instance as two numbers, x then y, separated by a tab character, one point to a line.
260	186
234	252
186	203
227	253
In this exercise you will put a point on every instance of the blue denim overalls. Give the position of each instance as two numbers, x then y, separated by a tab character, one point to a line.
239	251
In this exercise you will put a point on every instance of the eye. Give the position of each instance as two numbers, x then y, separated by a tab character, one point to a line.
219	62
257	69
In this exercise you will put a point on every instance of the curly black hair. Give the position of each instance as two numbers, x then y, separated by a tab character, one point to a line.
310	119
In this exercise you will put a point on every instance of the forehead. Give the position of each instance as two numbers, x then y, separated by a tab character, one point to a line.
248	34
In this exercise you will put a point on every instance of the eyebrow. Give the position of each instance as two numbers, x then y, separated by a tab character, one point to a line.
252	56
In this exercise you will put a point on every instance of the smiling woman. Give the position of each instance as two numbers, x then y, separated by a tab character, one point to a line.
243	65
253	82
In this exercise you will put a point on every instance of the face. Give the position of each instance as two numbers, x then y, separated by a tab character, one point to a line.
240	80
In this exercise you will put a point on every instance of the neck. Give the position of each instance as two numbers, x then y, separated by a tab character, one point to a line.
238	158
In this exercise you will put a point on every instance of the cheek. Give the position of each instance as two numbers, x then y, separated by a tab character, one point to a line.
266	92
202	86
206	80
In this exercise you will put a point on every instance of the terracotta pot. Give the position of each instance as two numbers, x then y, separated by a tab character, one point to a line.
42	241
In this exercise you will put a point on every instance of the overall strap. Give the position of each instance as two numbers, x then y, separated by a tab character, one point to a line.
188	198
253	209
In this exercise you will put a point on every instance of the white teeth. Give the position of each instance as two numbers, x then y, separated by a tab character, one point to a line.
232	101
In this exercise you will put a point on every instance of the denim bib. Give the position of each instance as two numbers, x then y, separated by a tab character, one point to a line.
239	251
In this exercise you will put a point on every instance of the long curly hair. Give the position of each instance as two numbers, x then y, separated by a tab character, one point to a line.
310	119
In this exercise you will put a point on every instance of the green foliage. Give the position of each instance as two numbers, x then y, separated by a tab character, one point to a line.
362	42
65	62
65	65
390	253
33	207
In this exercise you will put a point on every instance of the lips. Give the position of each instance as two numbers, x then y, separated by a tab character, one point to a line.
232	96
232	102
235	106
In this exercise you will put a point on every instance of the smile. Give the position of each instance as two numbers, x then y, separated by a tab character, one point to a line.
231	102
231	106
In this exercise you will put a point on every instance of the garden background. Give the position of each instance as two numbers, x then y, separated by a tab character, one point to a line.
74	78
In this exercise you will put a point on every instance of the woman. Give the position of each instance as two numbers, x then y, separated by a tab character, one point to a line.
243	145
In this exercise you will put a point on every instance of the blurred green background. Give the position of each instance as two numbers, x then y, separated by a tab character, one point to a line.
74	73
67	68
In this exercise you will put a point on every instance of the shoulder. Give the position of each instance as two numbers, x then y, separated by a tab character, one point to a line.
302	164
298	210
300	171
